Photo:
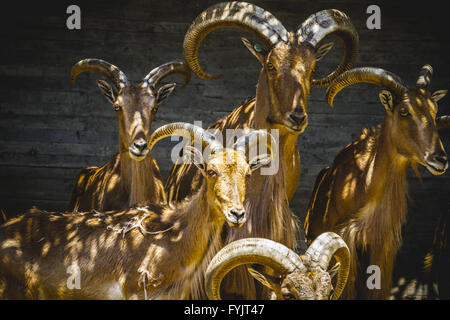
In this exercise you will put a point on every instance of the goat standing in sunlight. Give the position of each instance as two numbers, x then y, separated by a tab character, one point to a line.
363	195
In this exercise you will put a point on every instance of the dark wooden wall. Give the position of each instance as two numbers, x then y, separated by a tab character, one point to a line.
49	130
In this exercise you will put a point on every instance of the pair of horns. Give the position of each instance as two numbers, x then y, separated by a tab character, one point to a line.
207	139
280	258
378	77
271	32
119	78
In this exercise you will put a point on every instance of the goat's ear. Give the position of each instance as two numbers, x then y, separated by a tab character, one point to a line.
334	270
256	49
107	90
164	92
273	283
260	161
438	95
387	101
193	155
323	50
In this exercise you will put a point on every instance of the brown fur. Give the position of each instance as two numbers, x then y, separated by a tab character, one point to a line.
148	252
123	182
280	92
363	195
437	261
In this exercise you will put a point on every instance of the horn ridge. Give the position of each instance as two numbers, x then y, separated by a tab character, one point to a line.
249	250
240	15
109	70
323	249
159	73
424	79
330	22
371	75
187	130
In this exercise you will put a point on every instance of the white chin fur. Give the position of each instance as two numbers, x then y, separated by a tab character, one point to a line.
136	157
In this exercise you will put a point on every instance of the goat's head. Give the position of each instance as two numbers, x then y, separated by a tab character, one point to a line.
410	112
226	170
135	104
304	277
289	61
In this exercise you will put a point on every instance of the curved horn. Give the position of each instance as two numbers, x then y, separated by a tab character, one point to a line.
324	23
109	70
187	130
247	141
325	247
424	79
164	70
250	250
443	122
240	15
376	76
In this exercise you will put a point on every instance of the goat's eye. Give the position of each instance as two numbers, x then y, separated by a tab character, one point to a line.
288	296
404	112
154	109
117	107
211	173
247	175
270	66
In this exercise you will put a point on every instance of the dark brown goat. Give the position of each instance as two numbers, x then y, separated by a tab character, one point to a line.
363	195
132	176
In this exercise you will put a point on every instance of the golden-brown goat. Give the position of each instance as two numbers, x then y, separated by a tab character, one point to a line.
131	177
363	195
148	252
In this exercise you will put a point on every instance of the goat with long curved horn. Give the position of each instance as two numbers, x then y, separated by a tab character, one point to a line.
362	196
131	177
271	32
303	276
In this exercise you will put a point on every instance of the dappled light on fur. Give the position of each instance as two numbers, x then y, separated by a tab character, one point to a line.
148	252
281	102
132	176
364	199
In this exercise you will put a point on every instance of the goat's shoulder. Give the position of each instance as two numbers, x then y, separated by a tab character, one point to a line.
365	144
238	118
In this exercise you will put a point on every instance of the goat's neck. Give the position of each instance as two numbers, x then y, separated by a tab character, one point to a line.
386	187
287	147
389	167
139	181
196	226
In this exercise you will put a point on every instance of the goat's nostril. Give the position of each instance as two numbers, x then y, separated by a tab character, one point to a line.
297	118
441	158
238	214
140	145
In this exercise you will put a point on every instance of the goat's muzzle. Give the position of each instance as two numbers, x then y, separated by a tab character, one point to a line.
138	150
437	163
296	121
235	217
